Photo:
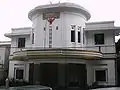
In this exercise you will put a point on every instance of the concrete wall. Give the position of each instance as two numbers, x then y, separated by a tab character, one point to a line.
4	54
14	43
73	19
100	24
60	37
92	65
4	61
109	40
19	64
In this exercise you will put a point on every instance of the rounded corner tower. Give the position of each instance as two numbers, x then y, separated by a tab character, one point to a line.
57	25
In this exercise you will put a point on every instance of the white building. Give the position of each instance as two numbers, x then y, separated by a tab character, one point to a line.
4	58
61	48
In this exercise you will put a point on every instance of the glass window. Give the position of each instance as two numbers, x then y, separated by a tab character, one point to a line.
99	38
19	73
56	27
32	38
21	42
100	75
79	36
72	36
44	28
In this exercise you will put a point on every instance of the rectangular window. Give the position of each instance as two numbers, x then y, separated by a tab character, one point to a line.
72	36
78	36
99	38
50	37
32	38
100	75
19	73
21	42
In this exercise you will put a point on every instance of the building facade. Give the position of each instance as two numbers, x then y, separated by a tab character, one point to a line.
62	49
4	59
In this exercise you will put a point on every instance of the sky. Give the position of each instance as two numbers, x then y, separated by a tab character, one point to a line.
14	13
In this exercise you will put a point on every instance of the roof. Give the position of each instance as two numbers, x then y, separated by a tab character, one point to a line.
60	7
5	43
102	28
100	22
19	31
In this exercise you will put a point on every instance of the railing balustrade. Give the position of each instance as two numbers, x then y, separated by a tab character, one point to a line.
100	48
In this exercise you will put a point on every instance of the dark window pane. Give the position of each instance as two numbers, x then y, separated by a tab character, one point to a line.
19	74
79	36
56	27
21	42
44	28
33	38
99	39
100	75
72	36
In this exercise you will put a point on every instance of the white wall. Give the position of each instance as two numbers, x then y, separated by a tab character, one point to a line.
60	37
14	43
72	19
100	24
101	64
2	56
19	64
108	40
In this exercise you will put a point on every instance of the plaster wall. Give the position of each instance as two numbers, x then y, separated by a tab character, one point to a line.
109	65
109	41
62	36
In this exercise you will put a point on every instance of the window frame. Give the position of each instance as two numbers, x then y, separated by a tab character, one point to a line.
96	41
20	45
79	37
106	74
33	36
15	73
72	35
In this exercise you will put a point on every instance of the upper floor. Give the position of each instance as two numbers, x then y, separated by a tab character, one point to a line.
64	25
98	36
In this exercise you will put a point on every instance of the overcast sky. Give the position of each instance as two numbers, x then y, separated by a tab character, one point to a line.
14	13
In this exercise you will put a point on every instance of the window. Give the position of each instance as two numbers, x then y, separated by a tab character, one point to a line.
50	37
79	28
21	42
19	73
99	38
100	75
56	27
79	36
73	27
44	28
83	37
72	36
32	38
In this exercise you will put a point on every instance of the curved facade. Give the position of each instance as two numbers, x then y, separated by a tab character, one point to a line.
61	50
67	15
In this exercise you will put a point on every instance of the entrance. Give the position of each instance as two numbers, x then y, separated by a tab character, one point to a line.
60	76
48	74
76	75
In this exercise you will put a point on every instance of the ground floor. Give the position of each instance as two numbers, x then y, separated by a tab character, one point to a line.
64	73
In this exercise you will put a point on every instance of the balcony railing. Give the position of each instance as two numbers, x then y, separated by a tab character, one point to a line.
100	48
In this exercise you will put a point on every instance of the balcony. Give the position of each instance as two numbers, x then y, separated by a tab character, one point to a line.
87	53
